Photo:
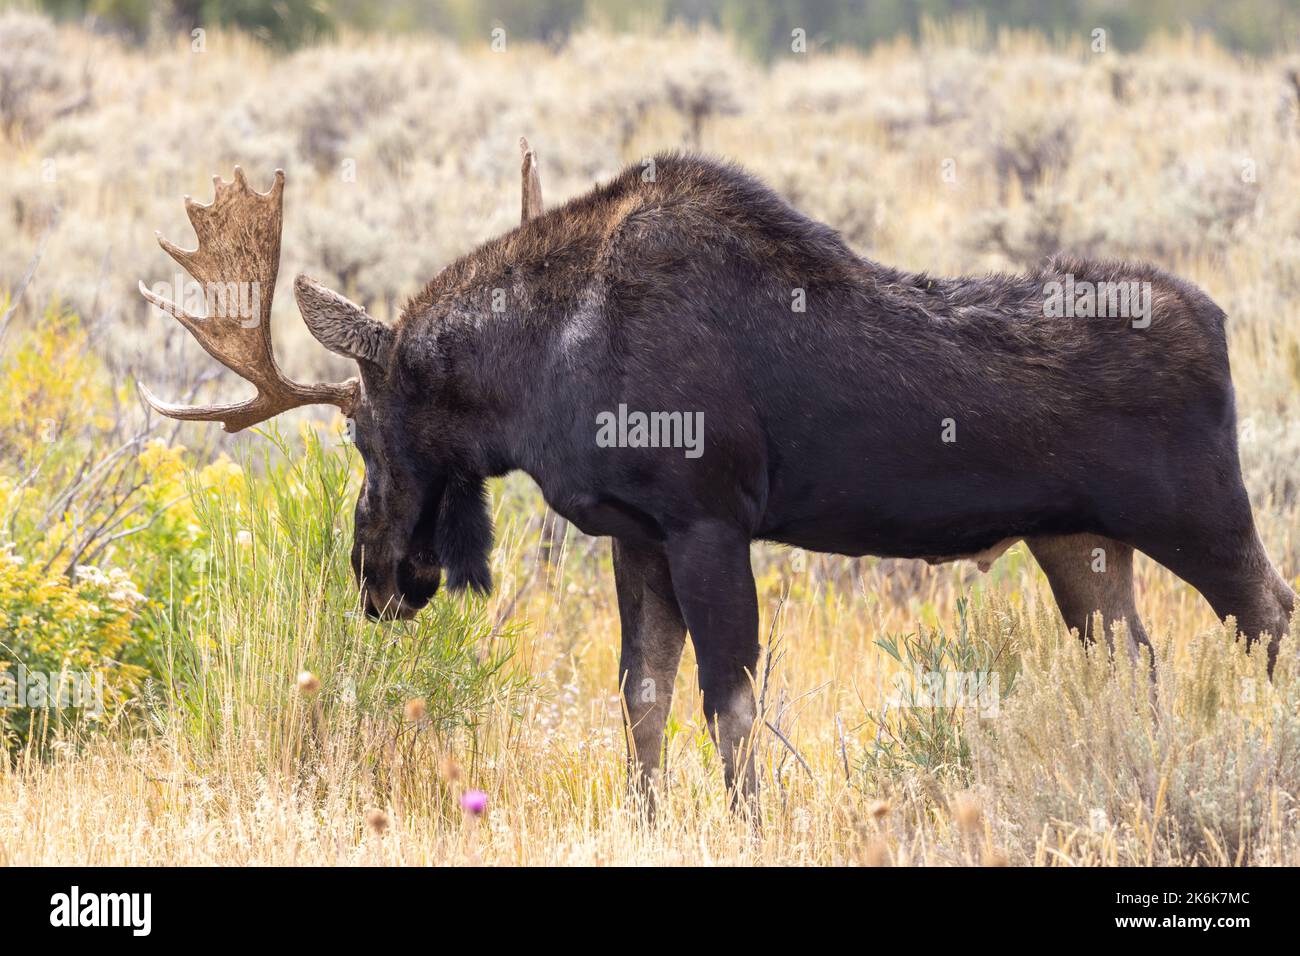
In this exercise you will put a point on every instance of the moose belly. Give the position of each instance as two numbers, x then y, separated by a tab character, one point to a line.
936	520
941	548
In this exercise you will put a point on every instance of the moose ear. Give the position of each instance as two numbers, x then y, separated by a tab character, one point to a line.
341	325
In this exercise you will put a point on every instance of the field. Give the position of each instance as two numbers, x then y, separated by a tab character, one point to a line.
253	717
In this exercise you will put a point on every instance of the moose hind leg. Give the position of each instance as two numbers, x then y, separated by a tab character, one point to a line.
1089	573
1223	558
653	637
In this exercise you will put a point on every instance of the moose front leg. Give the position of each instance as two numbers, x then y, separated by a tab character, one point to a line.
653	638
715	590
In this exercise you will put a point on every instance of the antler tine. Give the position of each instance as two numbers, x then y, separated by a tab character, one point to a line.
531	206
236	263
234	417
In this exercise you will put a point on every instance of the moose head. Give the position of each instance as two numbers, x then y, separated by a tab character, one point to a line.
420	511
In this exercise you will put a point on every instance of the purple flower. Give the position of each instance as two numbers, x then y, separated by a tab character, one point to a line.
473	802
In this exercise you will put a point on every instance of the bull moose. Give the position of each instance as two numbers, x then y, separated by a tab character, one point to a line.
845	407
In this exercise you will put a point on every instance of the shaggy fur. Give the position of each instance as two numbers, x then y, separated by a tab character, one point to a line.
897	414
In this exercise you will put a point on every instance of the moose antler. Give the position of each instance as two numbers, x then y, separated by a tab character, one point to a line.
531	205
236	263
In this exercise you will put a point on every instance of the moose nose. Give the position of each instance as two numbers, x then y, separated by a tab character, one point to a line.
381	604
392	608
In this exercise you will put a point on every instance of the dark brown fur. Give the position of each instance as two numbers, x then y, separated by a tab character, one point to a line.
825	429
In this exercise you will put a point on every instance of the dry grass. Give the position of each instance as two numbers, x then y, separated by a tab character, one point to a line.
1078	768
1081	765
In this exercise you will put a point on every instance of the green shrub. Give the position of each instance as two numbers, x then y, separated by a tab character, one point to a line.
274	653
943	681
67	635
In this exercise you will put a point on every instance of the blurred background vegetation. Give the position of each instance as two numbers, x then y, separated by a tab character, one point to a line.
762	26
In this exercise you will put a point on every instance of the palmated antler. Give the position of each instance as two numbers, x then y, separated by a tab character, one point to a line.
236	265
531	205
